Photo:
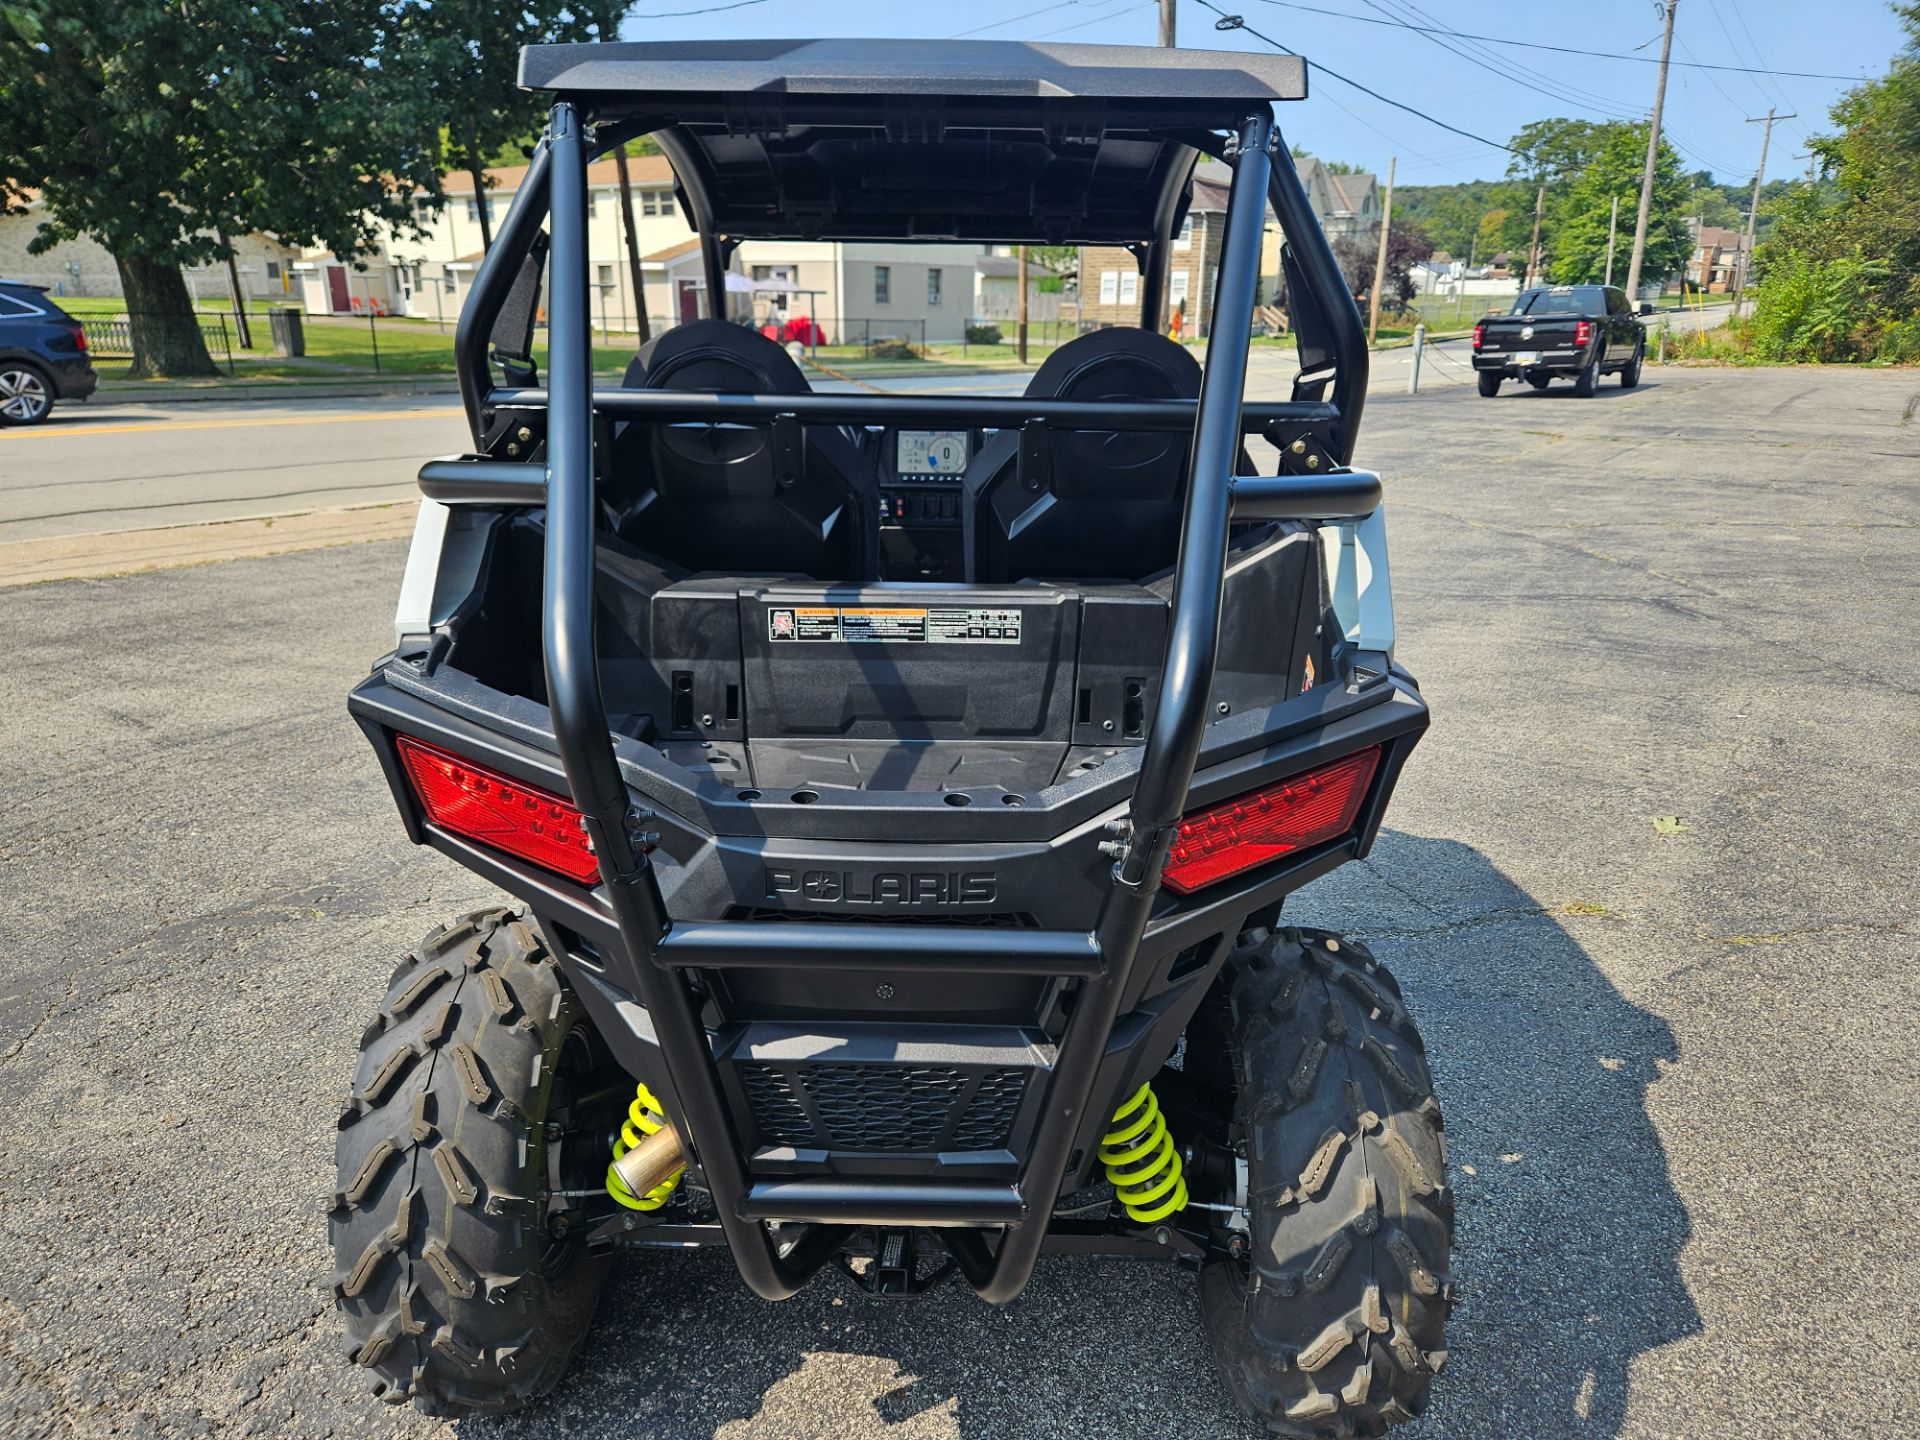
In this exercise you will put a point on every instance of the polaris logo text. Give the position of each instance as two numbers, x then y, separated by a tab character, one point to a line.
902	888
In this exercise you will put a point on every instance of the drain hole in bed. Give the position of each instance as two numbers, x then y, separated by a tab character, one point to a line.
805	797
1013	799
957	797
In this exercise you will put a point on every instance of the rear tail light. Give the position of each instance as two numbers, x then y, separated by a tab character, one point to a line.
1582	332
481	804
80	338
1478	331
1239	835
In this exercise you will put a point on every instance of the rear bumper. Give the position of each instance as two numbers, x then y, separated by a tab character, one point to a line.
73	379
1546	362
801	1016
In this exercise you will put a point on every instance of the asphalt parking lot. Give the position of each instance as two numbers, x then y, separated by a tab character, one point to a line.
1677	1058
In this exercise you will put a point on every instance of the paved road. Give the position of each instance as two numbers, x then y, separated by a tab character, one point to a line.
112	466
1678	1069
107	466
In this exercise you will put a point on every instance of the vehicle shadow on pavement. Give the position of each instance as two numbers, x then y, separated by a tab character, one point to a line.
1570	1232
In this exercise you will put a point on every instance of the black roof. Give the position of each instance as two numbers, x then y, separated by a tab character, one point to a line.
974	140
1005	69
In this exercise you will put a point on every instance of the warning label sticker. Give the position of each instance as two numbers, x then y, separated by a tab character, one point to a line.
864	624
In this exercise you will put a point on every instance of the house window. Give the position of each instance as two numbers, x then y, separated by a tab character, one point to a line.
593	204
933	287
882	285
1184	240
666	202
1109	287
605	276
649	202
1129	287
1177	292
273	269
473	211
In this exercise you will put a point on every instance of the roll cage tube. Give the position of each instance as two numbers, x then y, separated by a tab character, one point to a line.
657	956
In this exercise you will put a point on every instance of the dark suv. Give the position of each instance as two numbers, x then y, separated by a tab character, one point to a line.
43	355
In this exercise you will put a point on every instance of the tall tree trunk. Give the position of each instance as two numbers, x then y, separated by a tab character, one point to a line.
633	245
482	200
166	332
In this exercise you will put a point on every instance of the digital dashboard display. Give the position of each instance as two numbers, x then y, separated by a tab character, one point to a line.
932	452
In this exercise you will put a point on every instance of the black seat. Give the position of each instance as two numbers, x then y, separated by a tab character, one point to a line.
742	498
1083	504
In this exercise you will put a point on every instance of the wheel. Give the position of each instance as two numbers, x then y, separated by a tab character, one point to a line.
1630	372
1334	1326
1539	382
456	1293
1587	381
1489	383
26	394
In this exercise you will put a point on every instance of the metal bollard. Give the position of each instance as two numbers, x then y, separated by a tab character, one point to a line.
1419	344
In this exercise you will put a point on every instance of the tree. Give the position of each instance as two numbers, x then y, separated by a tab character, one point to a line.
464	58
1358	254
1579	213
157	125
1839	279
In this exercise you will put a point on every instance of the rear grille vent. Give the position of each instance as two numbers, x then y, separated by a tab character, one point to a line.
883	1107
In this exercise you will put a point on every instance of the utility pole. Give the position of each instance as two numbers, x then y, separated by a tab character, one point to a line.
1653	154
1533	247
633	244
233	289
1023	304
1380	260
1167	8
1753	214
1613	223
1810	158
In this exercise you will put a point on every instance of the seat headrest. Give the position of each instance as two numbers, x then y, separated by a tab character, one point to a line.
1117	363
715	355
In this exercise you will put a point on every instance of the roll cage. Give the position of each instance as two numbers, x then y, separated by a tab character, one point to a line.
708	113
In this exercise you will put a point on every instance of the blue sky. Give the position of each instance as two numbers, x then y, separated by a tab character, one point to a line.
1705	111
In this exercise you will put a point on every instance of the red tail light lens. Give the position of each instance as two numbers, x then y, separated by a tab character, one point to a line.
79	334
1582	332
1478	331
481	804
1241	834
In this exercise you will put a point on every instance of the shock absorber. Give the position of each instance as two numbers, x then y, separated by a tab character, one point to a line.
1141	1162
644	1118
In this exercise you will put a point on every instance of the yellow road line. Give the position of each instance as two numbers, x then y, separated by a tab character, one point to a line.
350	417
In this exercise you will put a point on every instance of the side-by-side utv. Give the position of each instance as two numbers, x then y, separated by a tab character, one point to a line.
900	792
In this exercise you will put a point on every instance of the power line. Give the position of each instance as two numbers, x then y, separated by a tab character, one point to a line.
1083	24
1239	23
1012	19
1558	49
707	10
1493	65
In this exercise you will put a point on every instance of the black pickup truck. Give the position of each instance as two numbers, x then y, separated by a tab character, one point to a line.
1580	332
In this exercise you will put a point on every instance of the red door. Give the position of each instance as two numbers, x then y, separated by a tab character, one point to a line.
337	297
689	302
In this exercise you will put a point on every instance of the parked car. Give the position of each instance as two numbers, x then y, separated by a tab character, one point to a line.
1576	332
43	355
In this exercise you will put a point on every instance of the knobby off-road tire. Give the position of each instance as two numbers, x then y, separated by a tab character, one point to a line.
1489	383
454	1294
1335	1327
